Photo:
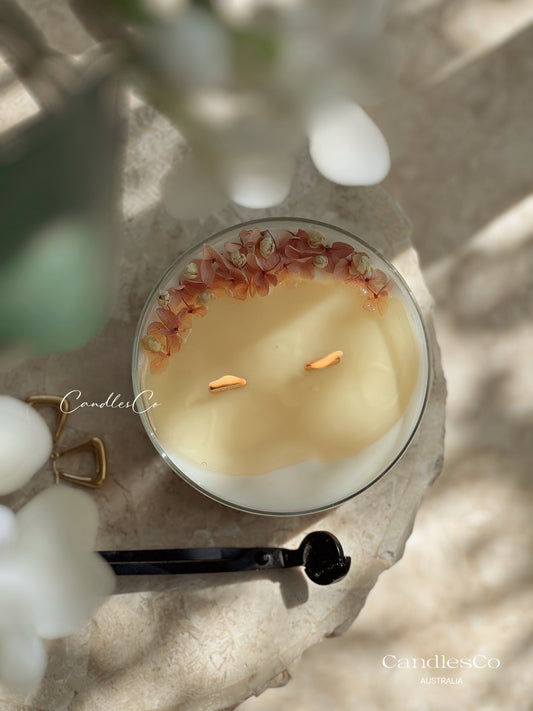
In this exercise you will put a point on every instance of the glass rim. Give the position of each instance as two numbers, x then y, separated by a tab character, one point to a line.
397	277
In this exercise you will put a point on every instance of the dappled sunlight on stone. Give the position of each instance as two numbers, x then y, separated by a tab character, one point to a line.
464	585
480	25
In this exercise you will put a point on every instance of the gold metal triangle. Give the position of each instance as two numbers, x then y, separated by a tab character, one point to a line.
60	404
97	446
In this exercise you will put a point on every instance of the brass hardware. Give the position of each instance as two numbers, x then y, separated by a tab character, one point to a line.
55	402
94	444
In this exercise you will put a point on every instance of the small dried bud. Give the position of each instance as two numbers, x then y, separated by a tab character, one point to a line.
315	239
238	259
267	246
360	265
320	261
163	298
151	343
191	271
204	297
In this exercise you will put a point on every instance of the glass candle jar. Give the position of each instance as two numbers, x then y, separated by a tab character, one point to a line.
283	366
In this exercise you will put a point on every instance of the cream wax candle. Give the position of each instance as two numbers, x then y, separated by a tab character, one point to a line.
289	365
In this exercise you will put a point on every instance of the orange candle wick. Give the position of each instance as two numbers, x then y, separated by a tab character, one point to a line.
226	382
325	362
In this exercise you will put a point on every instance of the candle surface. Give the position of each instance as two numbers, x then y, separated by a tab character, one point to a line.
286	415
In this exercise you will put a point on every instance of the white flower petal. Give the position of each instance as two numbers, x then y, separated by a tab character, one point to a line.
346	145
57	518
22	660
258	181
65	591
63	581
25	443
8	528
194	50
22	654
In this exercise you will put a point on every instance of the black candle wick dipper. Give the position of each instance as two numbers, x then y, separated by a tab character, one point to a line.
320	553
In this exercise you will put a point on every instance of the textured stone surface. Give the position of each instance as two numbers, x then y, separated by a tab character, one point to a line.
205	642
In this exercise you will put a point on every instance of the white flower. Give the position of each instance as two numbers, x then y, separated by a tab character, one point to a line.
191	271
276	74
346	145
50	580
193	49
257	178
163	298
360	265
238	258
151	343
25	443
267	246
204	297
320	261
315	239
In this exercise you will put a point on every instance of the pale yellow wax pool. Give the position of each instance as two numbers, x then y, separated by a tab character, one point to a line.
285	414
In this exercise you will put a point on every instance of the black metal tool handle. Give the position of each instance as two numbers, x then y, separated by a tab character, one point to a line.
320	553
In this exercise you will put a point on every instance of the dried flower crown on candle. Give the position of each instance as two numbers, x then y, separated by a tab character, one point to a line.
327	343
254	264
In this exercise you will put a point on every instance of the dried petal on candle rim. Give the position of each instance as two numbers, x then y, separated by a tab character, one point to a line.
247	268
325	362
226	382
